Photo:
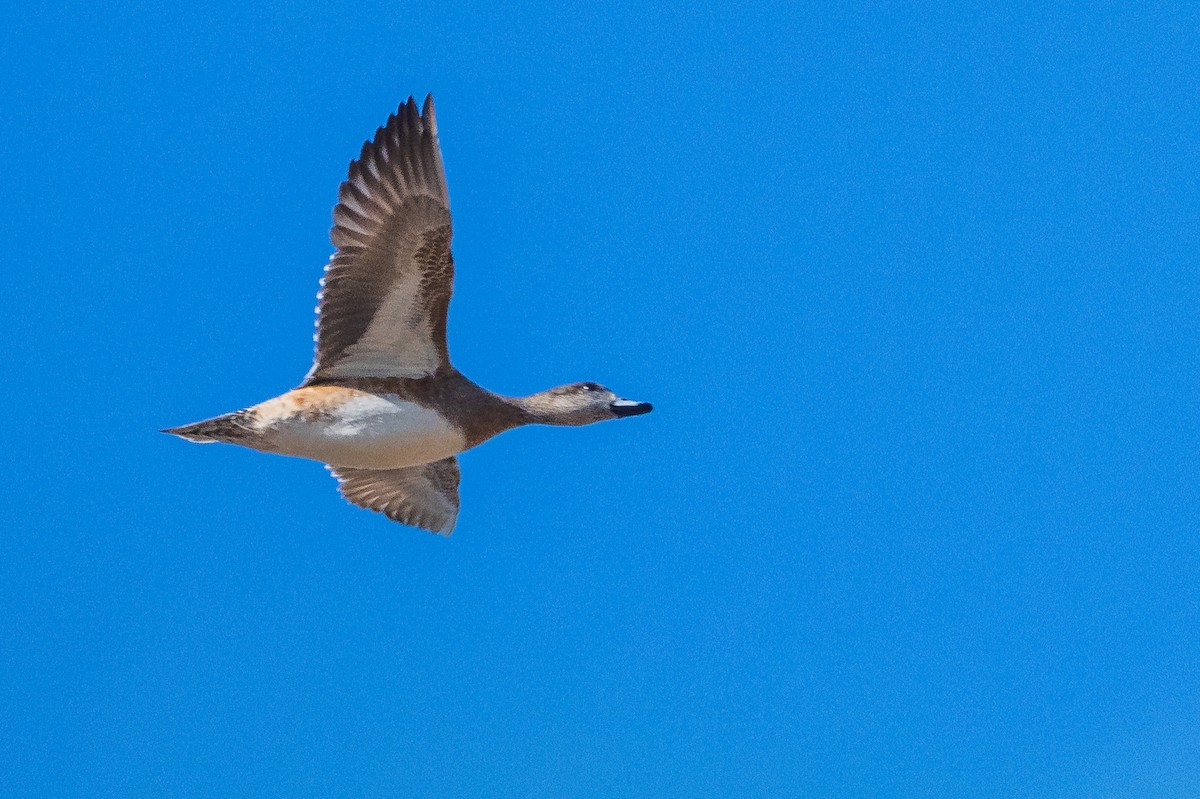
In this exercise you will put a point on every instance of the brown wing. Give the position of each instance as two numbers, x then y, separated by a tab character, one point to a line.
382	307
423	496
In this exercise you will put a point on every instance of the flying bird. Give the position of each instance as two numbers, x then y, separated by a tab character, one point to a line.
382	406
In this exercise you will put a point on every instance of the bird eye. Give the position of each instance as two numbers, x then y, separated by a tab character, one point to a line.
590	387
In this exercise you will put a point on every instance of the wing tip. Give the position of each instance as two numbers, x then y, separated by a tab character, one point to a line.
419	524
429	115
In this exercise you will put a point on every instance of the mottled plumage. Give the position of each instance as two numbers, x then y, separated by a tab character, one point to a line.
382	406
383	300
424	496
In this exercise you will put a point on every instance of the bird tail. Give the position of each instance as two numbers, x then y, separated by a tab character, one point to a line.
233	428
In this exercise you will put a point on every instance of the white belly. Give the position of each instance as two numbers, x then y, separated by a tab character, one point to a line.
368	432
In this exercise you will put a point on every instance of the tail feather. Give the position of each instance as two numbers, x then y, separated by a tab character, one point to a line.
230	427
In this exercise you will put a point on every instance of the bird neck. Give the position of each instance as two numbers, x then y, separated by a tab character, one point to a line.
539	408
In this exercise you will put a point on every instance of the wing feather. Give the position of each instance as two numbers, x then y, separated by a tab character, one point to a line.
382	307
423	496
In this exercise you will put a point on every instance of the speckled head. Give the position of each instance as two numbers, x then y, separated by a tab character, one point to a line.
579	404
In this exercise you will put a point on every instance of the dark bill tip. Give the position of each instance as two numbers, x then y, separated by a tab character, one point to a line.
624	407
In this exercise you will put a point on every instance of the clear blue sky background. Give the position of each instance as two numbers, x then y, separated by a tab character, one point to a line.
915	294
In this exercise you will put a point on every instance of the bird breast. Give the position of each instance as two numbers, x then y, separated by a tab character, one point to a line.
358	429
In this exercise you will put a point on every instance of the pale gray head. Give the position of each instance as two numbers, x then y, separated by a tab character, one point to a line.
580	403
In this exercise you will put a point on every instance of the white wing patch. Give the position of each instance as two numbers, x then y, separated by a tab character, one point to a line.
395	344
383	300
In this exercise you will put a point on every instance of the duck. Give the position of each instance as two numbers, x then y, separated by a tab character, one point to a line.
382	406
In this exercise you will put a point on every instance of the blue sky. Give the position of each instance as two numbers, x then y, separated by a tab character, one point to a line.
914	292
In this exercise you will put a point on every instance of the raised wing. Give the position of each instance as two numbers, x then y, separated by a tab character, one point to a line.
423	496
382	307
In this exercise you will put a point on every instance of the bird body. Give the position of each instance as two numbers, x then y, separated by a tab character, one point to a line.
359	429
375	424
382	406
